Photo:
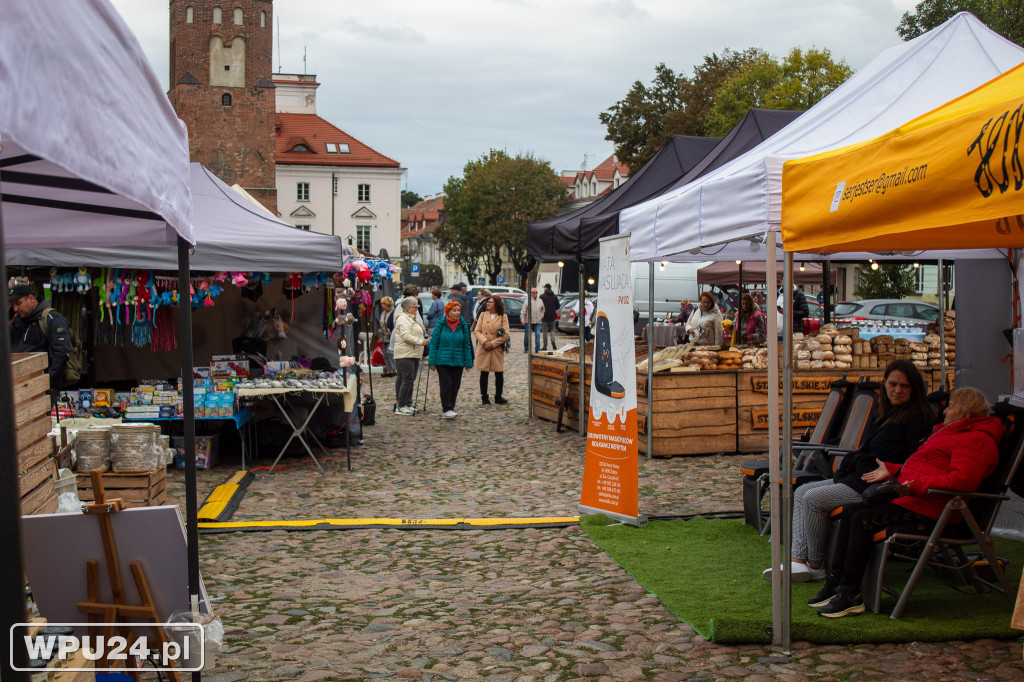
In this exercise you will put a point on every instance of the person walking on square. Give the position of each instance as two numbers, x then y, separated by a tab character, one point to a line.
491	332
409	337
451	352
436	311
550	320
384	330
536	317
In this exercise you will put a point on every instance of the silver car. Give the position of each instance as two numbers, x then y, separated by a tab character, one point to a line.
565	323
888	309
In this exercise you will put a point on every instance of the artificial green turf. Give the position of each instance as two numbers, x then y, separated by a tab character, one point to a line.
708	573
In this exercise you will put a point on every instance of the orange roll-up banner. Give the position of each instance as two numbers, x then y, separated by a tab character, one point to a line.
611	471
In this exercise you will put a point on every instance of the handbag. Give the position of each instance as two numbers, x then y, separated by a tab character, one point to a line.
369	411
508	339
878	494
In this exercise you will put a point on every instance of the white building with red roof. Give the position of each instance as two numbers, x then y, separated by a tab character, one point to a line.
590	184
327	180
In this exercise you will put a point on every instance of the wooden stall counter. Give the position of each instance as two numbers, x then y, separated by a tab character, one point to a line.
705	412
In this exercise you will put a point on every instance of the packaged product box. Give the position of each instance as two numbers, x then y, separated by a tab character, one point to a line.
206	452
122	399
200	372
69	399
103	397
142	395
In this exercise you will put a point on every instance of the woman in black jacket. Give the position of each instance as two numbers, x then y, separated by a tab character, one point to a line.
902	421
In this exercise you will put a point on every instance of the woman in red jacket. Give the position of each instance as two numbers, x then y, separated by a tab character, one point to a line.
960	453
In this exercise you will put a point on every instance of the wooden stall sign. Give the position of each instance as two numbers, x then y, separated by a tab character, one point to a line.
801	418
543	395
801	384
548	369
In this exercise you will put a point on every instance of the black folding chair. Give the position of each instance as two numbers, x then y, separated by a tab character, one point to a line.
943	548
826	431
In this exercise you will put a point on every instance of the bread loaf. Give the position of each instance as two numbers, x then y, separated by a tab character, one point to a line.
842	348
844	357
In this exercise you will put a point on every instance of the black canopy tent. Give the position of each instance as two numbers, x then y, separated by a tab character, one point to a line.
576	236
559	238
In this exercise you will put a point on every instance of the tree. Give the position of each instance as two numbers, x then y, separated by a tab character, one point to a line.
430	276
637	123
1005	17
410	199
721	91
888	281
489	207
796	83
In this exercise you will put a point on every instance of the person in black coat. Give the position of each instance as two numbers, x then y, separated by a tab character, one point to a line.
547	325
27	333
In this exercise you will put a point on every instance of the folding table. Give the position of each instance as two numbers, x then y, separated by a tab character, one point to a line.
300	431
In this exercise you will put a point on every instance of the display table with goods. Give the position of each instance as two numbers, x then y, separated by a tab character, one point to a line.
293	384
711	400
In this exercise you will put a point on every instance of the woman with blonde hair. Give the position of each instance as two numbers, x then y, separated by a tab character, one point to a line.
387	305
959	455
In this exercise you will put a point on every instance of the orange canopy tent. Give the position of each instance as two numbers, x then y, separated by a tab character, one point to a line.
952	178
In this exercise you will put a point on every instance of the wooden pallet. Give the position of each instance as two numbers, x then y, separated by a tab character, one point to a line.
36	470
143	489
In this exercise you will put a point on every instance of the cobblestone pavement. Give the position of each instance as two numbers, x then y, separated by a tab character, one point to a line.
529	604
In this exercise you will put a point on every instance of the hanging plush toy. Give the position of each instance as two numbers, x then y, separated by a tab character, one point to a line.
54	280
310	280
221	277
82	281
213	292
239	279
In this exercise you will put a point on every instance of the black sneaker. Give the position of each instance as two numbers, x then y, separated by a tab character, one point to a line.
825	594
845	603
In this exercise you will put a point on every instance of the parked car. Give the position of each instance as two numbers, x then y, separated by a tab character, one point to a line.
497	289
889	310
513	308
565	323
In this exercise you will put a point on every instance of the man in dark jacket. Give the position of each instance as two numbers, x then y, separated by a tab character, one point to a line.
27	334
547	325
459	296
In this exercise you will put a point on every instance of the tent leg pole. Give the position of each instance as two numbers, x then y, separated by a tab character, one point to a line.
650	362
528	328
581	319
942	329
12	592
826	287
787	447
774	474
189	423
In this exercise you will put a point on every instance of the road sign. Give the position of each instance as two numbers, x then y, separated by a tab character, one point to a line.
479	280
501	280
821	297
414	269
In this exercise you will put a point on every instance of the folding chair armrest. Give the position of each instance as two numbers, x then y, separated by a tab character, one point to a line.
837	451
801	445
965	493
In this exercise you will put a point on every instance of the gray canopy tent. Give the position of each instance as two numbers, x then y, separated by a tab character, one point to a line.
82	165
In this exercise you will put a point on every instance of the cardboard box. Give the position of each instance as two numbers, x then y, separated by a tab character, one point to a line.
142	395
200	372
206	452
103	397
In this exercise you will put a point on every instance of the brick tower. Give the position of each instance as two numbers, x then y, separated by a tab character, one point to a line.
221	70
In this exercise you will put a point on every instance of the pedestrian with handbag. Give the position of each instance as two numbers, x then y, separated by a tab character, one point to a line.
492	335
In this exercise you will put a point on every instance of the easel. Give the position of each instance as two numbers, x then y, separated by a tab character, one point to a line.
112	614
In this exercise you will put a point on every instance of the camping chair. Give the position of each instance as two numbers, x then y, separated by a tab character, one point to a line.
825	431
822	461
943	548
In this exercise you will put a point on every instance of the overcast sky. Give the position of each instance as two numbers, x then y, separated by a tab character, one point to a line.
434	84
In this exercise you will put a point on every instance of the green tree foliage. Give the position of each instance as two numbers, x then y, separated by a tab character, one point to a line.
430	276
798	82
720	92
888	281
410	198
489	207
1005	17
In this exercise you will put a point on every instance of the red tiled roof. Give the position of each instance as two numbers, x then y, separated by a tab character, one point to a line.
606	169
315	133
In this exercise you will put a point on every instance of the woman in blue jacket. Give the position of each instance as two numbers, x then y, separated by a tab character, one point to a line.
451	351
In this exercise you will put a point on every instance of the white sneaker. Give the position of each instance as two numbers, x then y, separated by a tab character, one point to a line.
406	410
450	414
799	573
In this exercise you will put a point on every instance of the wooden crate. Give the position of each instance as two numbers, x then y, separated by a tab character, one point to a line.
144	489
40	500
27	365
548	373
694	413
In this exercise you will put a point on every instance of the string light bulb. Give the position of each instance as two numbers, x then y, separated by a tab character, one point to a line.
662	266
917	265
739	262
561	264
874	265
802	267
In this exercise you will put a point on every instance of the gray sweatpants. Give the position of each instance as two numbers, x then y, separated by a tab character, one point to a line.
812	503
547	330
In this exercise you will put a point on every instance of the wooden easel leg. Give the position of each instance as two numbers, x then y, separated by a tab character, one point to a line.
147	601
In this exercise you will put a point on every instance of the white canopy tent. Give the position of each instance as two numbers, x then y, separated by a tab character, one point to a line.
742	199
230	234
91	154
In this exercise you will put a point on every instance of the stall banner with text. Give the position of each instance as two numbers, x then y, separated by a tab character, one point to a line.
611	471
